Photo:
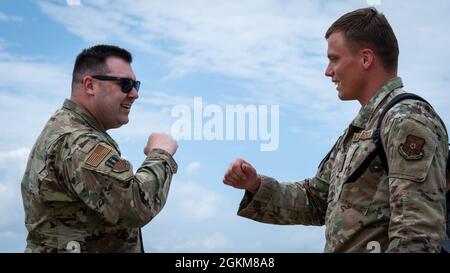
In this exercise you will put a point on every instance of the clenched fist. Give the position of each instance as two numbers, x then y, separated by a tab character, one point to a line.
161	141
242	175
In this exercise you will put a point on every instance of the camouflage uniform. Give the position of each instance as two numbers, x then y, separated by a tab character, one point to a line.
80	195
400	212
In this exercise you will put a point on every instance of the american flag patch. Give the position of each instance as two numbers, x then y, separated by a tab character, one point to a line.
97	156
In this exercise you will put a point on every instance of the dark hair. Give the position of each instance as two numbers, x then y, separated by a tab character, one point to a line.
369	28
92	60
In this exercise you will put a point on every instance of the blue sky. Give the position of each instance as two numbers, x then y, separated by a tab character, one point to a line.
226	52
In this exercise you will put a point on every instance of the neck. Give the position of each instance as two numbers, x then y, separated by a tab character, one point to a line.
85	107
373	85
80	103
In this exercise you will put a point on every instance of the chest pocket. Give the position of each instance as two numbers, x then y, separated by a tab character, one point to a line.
361	156
343	163
355	163
364	184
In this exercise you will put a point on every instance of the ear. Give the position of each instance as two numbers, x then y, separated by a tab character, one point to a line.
88	84
367	58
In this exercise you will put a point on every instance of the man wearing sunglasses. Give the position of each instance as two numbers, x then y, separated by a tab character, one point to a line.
79	194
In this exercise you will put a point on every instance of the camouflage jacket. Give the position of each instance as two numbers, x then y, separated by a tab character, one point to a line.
80	195
403	211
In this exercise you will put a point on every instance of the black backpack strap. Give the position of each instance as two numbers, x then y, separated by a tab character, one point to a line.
329	153
142	242
377	133
379	150
446	245
448	160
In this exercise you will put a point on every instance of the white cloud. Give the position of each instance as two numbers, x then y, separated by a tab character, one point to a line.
12	167
30	91
193	167
13	241
12	219
194	201
373	2
276	45
35	78
248	39
422	64
159	98
9	18
307	238
73	2
7	196
178	243
142	122
20	154
274	50
93	23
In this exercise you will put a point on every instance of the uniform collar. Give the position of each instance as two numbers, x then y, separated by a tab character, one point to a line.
367	110
84	114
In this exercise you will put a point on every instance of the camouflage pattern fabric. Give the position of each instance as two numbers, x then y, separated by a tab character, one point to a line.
78	193
403	211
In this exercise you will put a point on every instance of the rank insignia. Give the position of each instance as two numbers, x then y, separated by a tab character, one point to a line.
412	149
117	164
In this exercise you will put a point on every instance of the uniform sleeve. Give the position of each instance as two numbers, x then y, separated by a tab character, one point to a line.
303	202
416	148
105	182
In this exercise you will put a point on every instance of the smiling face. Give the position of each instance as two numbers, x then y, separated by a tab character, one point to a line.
344	68
111	105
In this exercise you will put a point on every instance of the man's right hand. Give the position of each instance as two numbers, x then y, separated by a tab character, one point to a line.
242	175
161	141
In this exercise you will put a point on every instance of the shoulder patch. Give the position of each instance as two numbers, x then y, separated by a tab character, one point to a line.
97	156
412	148
117	164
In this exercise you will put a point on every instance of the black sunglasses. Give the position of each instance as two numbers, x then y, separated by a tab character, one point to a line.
127	84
